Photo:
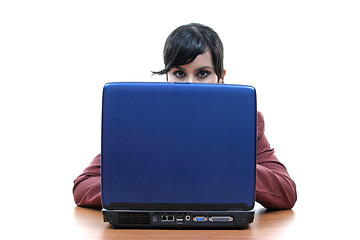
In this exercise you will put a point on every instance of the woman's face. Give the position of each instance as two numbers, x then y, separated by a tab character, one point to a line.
201	70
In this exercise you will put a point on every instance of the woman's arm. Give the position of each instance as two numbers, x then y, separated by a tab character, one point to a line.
274	187
87	190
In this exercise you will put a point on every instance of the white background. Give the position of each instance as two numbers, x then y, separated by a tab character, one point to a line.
303	57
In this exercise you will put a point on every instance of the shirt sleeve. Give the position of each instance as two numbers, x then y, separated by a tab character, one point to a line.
87	186
274	187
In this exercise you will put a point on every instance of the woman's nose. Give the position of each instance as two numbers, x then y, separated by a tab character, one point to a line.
191	79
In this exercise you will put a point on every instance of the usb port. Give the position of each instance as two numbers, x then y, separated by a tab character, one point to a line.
179	219
200	219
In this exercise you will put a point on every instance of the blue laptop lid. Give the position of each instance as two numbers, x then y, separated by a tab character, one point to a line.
178	146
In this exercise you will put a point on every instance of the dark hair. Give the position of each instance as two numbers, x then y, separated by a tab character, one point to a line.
186	42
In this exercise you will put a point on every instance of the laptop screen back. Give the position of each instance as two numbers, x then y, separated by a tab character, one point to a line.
178	145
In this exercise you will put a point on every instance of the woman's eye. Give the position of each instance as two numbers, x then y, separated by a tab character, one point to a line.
179	74
203	74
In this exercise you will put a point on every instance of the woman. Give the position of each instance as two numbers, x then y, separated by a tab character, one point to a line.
194	53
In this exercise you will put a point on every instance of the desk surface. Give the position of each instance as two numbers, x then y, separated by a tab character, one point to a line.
63	220
48	212
265	222
286	224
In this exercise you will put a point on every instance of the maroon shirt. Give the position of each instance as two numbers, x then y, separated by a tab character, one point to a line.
274	187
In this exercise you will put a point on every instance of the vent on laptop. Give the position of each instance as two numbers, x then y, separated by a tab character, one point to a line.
134	218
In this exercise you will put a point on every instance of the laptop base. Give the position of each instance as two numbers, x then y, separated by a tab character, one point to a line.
177	219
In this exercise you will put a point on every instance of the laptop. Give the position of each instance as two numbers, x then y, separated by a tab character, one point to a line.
179	155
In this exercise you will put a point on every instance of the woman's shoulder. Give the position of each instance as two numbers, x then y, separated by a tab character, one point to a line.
260	124
96	162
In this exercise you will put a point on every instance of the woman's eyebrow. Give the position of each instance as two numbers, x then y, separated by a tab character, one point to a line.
198	69
204	67
180	68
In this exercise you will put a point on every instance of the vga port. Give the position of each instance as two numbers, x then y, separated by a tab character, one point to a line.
200	219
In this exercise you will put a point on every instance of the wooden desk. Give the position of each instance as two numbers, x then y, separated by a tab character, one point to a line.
266	225
301	223
61	219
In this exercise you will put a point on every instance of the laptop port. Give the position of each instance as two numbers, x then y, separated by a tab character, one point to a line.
179	219
187	218
167	218
219	219
200	219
